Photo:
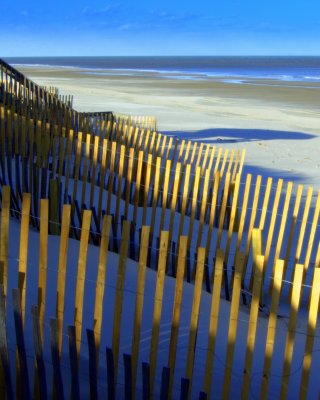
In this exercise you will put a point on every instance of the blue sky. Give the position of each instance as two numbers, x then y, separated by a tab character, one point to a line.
140	27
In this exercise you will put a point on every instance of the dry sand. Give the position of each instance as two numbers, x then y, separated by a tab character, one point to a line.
277	123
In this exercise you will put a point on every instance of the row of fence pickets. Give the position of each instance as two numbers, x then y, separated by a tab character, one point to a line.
100	133
40	316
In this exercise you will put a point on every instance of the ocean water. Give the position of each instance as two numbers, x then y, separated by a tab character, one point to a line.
230	69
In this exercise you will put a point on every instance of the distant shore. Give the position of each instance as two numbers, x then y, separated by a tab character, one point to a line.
234	114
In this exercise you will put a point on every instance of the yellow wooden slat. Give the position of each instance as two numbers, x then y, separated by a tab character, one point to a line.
117	315
182	254
23	251
101	280
253	321
145	235
193	330
312	326
43	260
81	276
214	320
292	323
4	237
272	326
157	308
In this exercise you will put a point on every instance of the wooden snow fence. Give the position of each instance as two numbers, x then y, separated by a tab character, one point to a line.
129	172
91	342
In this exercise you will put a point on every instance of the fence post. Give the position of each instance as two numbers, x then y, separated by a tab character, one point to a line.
157	308
23	251
233	322
195	312
4	236
144	243
292	323
119	295
312	326
272	326
101	279
253	320
214	320
81	275
177	308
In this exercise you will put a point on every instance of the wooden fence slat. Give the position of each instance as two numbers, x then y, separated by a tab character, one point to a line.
85	169
111	174
137	188
155	194
212	210
57	377
253	320
233	323
4	237
129	182
203	207
165	194
292	323
174	199
23	251
312	234
195	312
195	191
157	308
293	226
93	169
312	326
117	315
265	204
232	218
119	177
81	275
272	225
43	260
144	244
272	326
177	308
281	230
62	266
214	320
101	278
251	226
223	209
77	169
102	176
146	189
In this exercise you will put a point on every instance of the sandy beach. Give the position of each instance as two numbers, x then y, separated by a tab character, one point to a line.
278	124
